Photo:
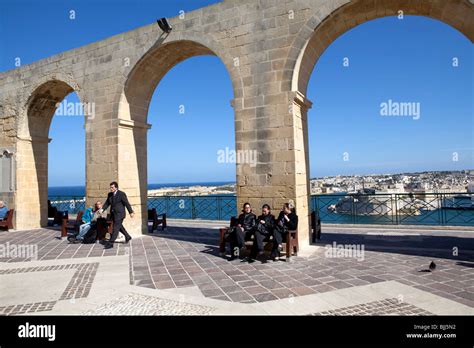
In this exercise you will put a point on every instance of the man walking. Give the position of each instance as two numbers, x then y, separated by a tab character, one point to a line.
118	201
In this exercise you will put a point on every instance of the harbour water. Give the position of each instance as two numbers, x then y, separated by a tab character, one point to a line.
81	190
222	207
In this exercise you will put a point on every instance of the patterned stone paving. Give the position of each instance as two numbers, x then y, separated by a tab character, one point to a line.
51	247
78	287
27	308
389	306
182	256
81	282
138	304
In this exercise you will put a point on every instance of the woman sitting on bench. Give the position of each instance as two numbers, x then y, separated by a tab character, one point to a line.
286	221
243	231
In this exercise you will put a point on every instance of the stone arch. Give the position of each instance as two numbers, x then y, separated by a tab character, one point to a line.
335	17
147	73
58	82
134	100
32	149
324	27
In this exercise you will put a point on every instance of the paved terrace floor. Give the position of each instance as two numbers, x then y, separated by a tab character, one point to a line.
179	272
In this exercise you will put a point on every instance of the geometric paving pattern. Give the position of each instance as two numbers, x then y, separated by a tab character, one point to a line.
183	257
389	306
79	286
27	308
50	247
81	282
138	304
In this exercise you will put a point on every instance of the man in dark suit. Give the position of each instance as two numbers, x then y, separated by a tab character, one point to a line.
118	201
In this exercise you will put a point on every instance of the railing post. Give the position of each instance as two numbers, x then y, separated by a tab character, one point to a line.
353	210
441	212
397	221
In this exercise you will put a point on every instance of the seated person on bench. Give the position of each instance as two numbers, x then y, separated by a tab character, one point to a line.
55	214
3	210
286	221
246	225
265	225
90	220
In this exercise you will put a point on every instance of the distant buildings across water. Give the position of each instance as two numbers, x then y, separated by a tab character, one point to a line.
417	183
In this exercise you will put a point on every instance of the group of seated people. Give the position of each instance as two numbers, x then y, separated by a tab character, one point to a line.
90	220
261	228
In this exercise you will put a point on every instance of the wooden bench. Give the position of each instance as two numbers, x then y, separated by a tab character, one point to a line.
68	225
291	241
8	221
157	219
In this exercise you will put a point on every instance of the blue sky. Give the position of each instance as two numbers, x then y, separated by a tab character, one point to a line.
407	60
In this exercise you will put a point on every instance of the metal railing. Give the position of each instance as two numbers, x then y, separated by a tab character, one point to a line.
456	209
195	207
71	204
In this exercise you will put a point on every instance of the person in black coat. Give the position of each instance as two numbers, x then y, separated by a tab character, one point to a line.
245	228
287	220
264	229
118	201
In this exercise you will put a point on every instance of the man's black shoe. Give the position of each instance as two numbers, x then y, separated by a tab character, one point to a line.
108	245
127	239
275	255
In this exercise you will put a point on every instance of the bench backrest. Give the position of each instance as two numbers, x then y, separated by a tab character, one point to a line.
234	221
79	216
152	214
9	216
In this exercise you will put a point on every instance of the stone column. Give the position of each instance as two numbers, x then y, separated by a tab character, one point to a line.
132	171
117	151
31	198
275	126
300	107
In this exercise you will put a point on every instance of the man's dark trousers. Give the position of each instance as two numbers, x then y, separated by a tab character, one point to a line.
117	226
118	202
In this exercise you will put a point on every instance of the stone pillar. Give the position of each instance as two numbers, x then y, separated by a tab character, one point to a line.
101	153
31	208
133	171
116	151
275	126
300	147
